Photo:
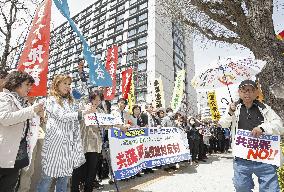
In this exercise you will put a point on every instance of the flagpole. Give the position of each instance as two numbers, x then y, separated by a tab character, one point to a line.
226	81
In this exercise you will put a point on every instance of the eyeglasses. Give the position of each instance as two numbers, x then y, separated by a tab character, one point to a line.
247	90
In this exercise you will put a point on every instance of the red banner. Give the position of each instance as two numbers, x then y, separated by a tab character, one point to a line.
34	58
126	82
111	66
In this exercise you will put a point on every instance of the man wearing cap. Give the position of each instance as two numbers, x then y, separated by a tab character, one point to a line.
250	114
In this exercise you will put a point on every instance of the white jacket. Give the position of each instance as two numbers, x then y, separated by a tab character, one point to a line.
272	122
12	122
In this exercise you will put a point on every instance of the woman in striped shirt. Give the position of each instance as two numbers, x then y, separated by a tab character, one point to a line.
62	149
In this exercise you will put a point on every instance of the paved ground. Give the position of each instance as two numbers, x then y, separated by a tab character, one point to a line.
215	175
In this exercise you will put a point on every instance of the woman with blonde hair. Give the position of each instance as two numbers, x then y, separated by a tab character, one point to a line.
62	149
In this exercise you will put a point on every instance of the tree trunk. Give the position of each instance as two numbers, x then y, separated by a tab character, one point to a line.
272	82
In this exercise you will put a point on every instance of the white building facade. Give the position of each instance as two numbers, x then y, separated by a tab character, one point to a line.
148	42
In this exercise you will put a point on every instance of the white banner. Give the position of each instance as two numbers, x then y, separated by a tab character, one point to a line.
102	119
143	148
265	149
33	135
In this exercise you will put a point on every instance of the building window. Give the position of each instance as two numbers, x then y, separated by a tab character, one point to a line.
142	40
132	11
143	17
142	53
142	66
100	36
111	21
111	31
131	32
143	6
119	27
110	41
120	17
131	44
118	38
120	8
132	21
101	27
132	2
142	28
112	12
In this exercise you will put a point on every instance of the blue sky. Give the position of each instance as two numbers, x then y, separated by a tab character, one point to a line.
204	52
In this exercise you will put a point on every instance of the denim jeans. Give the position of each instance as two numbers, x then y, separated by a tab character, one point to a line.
45	182
266	173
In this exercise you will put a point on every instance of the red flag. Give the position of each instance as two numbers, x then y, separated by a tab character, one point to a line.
111	66
126	82
280	36
34	58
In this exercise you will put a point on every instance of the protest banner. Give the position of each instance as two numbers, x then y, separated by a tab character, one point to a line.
111	66
126	82
159	93
34	58
213	106
265	149
178	91
102	119
142	148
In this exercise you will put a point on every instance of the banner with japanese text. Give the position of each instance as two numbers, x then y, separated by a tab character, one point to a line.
102	119
159	93
33	135
131	96
178	91
98	76
34	58
212	102
111	66
265	149
126	82
143	148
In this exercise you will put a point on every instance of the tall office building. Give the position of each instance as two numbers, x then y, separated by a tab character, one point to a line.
148	42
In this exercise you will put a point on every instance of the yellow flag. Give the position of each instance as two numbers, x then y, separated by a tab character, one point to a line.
213	106
131	96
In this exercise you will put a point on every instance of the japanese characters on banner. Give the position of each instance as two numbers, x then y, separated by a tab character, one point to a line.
34	58
213	106
131	96
98	76
178	91
126	82
265	149
143	148
159	93
102	119
111	66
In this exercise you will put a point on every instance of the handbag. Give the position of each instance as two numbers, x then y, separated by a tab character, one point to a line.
22	158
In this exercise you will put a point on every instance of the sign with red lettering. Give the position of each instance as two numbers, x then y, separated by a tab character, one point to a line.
142	148
34	59
126	82
111	66
265	149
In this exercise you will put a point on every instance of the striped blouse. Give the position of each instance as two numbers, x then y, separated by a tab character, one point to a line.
62	149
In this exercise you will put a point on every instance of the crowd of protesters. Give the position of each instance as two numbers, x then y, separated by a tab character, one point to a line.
70	148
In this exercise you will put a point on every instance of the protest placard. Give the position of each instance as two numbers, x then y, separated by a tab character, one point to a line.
102	119
143	148
265	148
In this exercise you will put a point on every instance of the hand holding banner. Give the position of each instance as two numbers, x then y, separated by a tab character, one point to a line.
265	149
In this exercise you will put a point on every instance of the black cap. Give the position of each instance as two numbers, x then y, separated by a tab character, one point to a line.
248	82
